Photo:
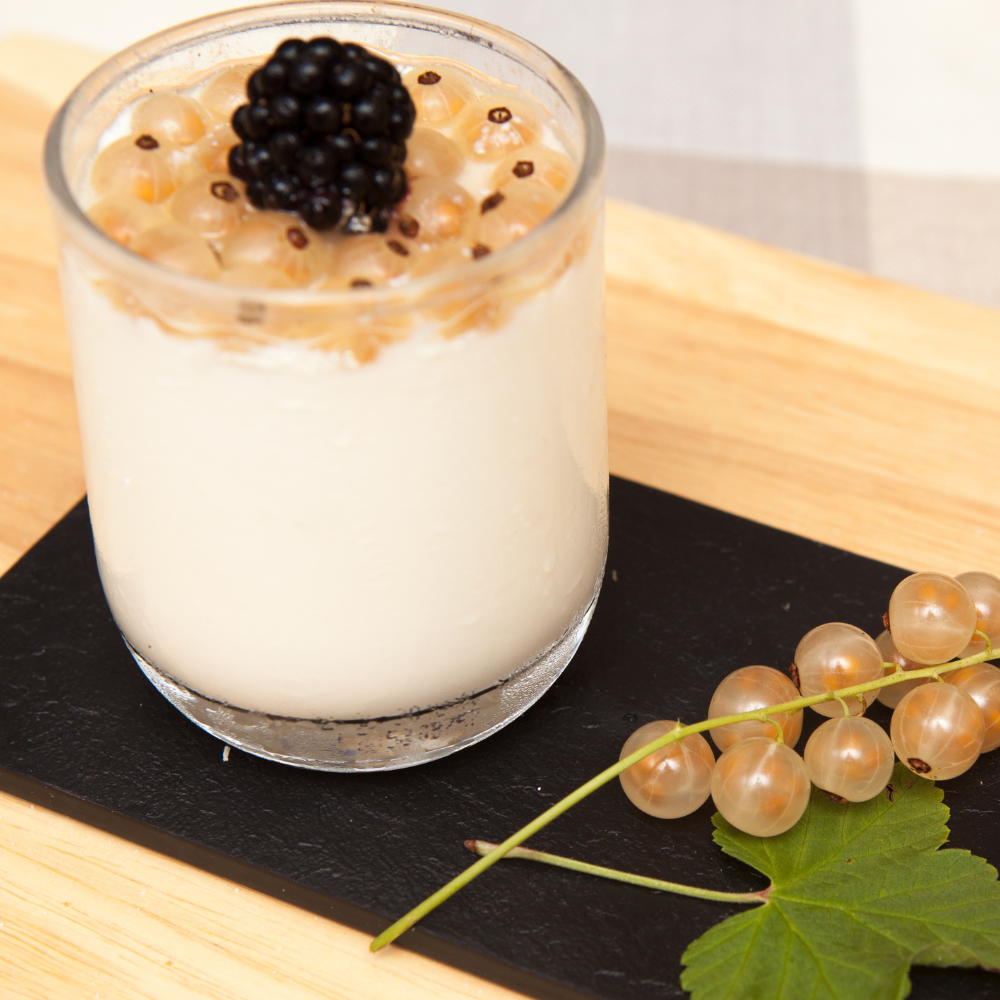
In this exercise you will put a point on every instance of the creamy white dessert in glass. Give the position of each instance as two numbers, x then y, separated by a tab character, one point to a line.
362	522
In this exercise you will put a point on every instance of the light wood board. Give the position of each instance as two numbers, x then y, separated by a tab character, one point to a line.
802	395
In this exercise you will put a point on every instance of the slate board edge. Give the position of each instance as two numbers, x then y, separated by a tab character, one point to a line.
216	863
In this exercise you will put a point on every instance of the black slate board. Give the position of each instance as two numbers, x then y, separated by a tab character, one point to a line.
690	594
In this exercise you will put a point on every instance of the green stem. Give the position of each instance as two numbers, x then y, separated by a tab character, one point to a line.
484	847
554	812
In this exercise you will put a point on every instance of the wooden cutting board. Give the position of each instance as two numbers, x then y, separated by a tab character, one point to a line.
800	394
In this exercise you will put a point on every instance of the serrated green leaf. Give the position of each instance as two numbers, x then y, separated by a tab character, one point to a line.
860	893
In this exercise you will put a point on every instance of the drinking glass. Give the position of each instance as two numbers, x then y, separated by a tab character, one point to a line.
343	529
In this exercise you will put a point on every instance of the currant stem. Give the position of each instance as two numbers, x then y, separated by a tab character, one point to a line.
779	733
484	847
986	639
555	811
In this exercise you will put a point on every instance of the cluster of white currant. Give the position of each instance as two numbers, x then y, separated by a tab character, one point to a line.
481	168
941	721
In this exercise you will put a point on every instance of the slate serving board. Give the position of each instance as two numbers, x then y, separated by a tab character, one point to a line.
690	594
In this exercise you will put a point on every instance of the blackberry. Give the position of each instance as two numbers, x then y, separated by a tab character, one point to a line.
349	80
322	209
286	192
316	165
284	148
273	77
324	115
290	50
323	134
377	150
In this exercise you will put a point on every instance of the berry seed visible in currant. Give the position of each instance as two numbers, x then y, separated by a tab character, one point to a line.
937	731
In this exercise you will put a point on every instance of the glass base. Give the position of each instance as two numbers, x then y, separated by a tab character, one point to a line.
375	744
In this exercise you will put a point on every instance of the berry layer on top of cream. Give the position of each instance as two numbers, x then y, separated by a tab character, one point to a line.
470	167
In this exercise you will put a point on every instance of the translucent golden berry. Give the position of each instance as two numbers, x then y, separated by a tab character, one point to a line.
439	91
142	166
123	217
226	91
211	205
169	116
441	209
760	786
534	166
981	681
984	589
850	757
746	690
177	247
373	259
833	656
495	125
931	617
673	781
510	213
937	731
211	151
277	240
431	154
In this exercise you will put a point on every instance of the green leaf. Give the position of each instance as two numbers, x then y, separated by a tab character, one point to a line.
861	893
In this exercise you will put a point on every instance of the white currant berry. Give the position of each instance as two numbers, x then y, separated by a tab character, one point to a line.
429	153
850	758
509	214
497	124
982	682
931	617
749	689
892	695
123	217
226	91
211	151
142	166
673	781
169	116
834	656
438	209
440	91
984	589
937	731
361	261
177	247
760	786
534	166
210	205
276	240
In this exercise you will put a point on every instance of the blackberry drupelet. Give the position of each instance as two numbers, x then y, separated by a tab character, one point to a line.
323	134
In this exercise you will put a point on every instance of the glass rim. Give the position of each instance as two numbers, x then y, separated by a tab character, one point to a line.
296	13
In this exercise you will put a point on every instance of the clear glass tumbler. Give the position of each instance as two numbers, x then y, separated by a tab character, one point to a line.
352	529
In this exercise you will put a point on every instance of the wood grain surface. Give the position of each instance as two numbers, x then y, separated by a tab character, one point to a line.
784	389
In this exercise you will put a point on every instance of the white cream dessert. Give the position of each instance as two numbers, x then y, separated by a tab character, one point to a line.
321	520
